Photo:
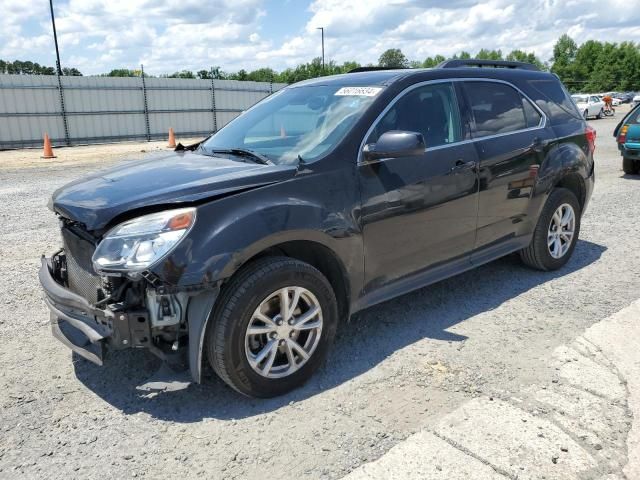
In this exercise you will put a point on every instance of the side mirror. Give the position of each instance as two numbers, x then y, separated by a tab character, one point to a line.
395	144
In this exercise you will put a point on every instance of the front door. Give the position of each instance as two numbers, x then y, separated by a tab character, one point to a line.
419	212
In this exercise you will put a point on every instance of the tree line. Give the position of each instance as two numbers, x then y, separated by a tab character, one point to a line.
591	67
33	68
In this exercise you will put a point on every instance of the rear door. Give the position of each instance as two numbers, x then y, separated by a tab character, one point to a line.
419	211
509	136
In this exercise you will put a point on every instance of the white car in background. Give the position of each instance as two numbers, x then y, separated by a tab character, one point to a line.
589	105
635	101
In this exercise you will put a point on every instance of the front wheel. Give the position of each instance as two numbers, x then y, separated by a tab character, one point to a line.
630	166
273	326
556	232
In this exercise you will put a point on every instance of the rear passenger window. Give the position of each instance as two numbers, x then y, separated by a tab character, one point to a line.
532	115
430	110
499	108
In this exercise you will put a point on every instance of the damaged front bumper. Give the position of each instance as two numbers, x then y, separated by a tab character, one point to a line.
90	331
86	329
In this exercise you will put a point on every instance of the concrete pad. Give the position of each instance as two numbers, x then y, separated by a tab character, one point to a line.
588	374
424	456
515	441
619	339
590	412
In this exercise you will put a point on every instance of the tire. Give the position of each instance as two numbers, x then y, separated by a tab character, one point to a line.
585	114
630	166
229	343
600	114
538	254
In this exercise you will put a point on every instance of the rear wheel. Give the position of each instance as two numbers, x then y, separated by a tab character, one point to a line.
630	166
600	114
273	326
585	114
556	233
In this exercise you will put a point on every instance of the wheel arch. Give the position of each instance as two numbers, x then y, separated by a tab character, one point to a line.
574	182
317	255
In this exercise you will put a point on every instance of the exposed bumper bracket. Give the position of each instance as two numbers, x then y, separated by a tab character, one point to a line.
73	319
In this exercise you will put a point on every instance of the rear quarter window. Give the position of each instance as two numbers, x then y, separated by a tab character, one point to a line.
554	100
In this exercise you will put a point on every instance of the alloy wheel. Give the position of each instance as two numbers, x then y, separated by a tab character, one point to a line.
561	231
283	332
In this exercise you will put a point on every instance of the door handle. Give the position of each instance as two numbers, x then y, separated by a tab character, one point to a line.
462	166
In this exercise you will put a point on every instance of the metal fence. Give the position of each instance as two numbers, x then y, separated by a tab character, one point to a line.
81	110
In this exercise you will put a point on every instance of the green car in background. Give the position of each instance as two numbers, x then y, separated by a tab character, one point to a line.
627	134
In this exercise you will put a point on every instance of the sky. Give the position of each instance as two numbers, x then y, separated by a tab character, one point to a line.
96	36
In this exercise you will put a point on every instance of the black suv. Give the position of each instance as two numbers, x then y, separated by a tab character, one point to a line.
332	195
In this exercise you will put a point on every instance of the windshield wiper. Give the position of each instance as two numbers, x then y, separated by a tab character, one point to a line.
243	152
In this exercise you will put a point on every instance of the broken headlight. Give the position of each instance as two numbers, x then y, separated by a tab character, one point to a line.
137	244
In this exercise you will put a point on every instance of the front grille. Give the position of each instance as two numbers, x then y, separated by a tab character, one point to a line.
82	278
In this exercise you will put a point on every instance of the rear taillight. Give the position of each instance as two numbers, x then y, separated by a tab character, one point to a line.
590	133
622	136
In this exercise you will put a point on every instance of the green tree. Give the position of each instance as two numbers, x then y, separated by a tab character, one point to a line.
393	58
564	55
262	75
182	74
485	54
616	68
122	72
348	66
71	72
521	56
584	64
431	62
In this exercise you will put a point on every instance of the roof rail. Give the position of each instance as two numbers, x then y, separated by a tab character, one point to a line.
459	63
374	69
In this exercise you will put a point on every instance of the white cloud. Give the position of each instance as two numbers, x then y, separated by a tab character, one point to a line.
169	35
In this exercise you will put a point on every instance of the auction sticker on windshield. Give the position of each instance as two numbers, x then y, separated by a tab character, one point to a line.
358	91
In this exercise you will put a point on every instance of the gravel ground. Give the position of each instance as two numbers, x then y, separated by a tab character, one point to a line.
397	368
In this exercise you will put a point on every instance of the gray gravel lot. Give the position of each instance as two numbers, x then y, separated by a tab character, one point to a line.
395	369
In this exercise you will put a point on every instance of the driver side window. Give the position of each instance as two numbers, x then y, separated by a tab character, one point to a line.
430	110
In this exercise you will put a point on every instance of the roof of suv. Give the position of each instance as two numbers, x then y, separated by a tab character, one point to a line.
387	77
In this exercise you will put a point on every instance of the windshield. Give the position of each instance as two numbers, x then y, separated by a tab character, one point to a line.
580	98
303	122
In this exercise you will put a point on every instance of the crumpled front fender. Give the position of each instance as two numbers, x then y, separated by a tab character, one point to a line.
199	314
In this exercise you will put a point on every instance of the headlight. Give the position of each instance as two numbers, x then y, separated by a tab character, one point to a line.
136	244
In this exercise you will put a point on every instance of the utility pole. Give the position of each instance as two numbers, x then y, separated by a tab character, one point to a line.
55	38
322	32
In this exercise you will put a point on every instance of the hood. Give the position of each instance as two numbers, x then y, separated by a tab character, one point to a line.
173	178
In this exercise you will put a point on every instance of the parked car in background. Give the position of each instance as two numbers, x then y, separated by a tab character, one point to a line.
589	105
636	100
625	97
616	102
627	134
248	249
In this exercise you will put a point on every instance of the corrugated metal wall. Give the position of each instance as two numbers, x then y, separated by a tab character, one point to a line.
80	110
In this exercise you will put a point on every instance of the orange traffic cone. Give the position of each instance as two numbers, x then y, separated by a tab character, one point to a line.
47	151
172	139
